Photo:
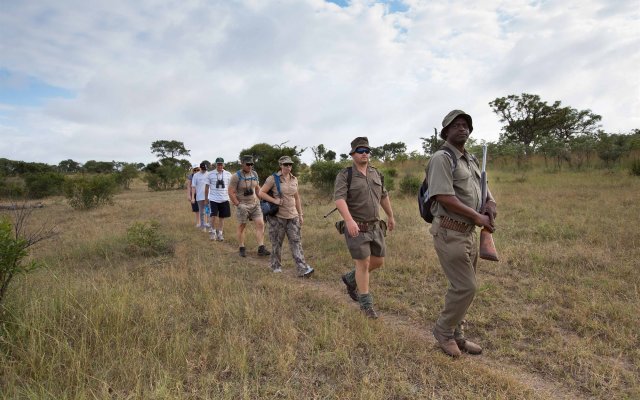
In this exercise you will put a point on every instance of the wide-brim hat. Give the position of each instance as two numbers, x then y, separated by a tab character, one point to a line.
285	160
360	141
449	118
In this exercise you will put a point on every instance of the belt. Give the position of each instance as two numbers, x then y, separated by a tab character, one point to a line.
449	223
367	226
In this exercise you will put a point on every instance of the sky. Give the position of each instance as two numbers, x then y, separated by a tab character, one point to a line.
102	80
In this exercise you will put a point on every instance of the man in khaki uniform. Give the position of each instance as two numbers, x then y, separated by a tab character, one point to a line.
243	193
358	204
456	211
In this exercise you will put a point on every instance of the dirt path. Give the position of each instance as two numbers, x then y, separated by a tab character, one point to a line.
542	386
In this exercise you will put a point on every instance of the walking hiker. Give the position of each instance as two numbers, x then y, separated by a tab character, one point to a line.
198	182
289	218
217	191
191	193
359	192
455	209
243	188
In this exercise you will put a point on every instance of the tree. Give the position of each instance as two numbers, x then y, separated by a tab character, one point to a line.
388	151
329	156
69	166
432	144
265	157
318	152
99	167
169	149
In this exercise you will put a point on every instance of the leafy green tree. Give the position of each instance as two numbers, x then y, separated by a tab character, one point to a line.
127	173
319	152
611	147
431	144
389	151
265	157
169	149
329	156
69	166
99	167
43	184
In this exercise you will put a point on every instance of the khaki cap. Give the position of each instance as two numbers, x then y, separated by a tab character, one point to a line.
361	141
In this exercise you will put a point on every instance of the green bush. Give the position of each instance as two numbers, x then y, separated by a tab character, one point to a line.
88	192
43	184
635	168
166	177
127	174
323	174
145	239
410	185
11	188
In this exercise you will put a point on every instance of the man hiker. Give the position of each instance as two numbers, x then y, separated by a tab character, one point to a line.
243	192
359	192
218	194
456	211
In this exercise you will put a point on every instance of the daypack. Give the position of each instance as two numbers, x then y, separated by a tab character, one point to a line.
254	177
424	199
269	209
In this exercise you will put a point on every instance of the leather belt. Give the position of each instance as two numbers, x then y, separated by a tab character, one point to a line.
367	226
450	223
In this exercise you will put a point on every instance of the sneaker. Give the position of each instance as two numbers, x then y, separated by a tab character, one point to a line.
370	313
212	236
262	251
352	290
243	252
220	236
307	273
277	270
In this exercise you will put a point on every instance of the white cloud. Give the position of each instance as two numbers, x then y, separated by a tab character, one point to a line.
221	76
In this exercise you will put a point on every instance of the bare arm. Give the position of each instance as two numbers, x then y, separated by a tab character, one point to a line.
351	225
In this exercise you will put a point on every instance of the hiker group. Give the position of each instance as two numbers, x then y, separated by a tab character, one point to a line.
457	203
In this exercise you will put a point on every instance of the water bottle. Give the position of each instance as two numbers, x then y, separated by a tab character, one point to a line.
207	210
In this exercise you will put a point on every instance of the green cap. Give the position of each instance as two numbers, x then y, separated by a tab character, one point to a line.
448	119
220	160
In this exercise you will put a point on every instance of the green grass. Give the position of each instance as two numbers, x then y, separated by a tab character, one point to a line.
558	313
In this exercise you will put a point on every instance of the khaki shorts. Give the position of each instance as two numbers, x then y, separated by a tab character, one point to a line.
366	244
248	212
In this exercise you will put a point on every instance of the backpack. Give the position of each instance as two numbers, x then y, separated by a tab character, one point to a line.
268	208
424	199
254	177
350	177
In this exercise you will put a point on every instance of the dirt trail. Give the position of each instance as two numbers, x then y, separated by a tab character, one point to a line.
543	387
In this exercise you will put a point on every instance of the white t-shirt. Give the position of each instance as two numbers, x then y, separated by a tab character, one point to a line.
218	194
198	181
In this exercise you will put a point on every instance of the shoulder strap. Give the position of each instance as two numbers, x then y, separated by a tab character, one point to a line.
452	156
276	178
349	177
239	177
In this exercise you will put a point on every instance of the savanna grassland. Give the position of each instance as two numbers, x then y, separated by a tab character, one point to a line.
558	316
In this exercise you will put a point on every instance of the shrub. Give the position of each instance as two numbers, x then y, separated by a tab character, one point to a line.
124	177
410	185
43	184
84	193
11	188
323	174
165	177
635	168
145	239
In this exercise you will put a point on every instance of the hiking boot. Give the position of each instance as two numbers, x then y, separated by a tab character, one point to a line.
307	273
468	346
243	252
352	290
447	344
369	312
262	251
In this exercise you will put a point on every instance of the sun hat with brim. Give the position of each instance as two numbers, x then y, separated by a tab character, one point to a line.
285	160
449	118
361	141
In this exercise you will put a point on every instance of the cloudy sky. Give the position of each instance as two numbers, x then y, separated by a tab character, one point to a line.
102	80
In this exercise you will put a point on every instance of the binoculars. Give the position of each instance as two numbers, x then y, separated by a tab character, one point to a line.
219	184
248	192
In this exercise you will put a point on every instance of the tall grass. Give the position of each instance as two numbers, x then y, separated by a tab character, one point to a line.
561	306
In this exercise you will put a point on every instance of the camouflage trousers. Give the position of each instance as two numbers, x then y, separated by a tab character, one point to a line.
278	228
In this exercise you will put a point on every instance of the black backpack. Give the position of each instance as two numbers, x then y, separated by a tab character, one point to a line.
424	199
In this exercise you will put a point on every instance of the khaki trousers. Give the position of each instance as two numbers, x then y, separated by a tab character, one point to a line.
458	255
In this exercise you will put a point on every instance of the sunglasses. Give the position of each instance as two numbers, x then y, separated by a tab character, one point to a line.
249	164
363	150
287	165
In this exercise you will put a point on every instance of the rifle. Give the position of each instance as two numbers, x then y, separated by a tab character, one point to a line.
487	247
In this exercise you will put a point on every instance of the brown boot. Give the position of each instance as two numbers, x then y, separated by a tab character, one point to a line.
447	344
468	346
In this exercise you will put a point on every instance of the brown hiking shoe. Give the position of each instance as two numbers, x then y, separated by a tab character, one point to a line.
447	344
370	313
468	346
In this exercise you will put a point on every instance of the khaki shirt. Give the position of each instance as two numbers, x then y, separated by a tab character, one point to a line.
363	198
241	185
289	188
464	183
